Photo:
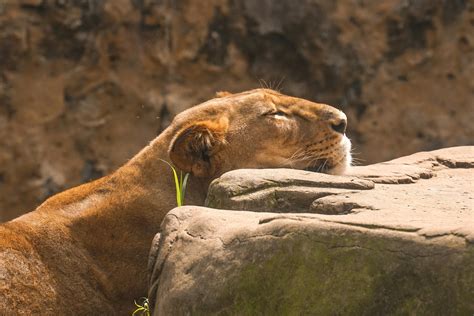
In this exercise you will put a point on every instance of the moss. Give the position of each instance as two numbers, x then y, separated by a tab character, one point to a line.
346	274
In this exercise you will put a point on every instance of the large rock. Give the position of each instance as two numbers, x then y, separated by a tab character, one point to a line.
391	238
85	84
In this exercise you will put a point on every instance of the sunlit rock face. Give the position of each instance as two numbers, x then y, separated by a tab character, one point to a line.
390	238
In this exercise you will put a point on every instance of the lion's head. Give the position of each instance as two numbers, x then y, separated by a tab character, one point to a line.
260	128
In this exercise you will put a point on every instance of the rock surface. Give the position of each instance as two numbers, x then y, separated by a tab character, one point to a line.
390	238
84	85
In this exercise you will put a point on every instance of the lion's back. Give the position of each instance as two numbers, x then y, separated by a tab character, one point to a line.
42	277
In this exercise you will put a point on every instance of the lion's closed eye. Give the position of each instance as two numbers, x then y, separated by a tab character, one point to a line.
280	114
277	114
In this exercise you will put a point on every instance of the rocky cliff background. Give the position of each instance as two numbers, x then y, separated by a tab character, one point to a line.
85	84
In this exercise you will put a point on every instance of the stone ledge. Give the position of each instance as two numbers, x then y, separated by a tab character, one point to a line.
235	262
371	242
416	193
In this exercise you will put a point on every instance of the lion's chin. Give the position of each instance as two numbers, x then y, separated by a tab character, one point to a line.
342	164
321	168
339	169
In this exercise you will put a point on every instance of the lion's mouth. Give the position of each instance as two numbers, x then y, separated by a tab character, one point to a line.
321	165
330	166
337	163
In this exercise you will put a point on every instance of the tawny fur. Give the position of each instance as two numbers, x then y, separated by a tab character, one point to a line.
84	251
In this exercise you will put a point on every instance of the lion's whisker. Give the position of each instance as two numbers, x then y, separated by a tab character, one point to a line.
277	88
323	165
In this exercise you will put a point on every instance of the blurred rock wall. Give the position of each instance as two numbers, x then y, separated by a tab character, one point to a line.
85	84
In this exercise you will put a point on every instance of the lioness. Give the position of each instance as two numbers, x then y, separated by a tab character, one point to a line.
84	251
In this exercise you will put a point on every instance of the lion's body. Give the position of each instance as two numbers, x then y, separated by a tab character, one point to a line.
47	271
84	251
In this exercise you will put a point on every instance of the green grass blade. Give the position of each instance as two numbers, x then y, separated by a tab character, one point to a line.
183	187
176	182
143	309
139	309
179	182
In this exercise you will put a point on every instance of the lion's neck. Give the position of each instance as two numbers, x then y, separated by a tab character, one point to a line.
115	218
149	171
146	194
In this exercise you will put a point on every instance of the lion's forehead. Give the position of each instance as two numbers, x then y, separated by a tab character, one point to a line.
307	109
257	101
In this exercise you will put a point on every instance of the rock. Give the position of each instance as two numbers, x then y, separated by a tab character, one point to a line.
420	165
393	247
86	82
282	189
277	189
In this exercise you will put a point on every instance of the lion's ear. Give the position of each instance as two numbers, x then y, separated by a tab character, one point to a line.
193	149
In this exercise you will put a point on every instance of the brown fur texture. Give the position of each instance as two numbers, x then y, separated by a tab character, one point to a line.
84	251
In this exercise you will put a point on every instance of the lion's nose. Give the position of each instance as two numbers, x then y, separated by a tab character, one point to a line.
339	125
